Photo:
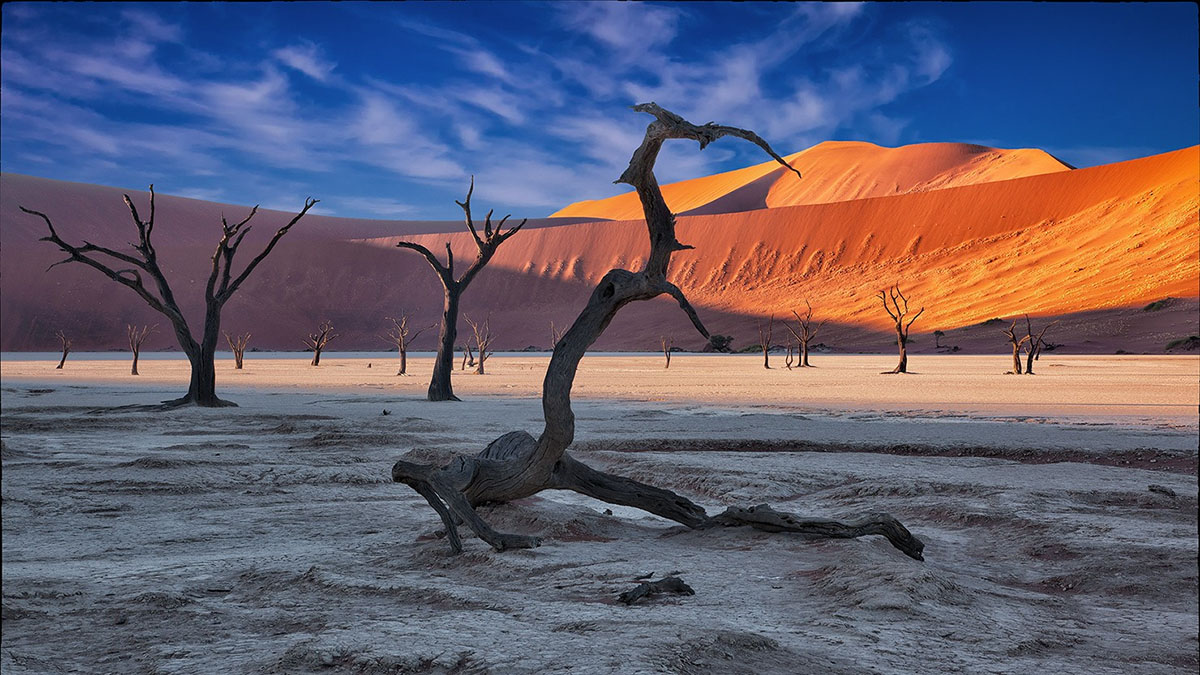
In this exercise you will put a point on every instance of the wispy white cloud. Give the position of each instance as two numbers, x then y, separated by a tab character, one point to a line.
540	123
307	58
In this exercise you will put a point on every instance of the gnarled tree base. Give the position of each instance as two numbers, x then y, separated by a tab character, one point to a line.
213	402
495	475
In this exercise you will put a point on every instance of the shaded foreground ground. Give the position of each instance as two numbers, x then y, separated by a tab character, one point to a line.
269	538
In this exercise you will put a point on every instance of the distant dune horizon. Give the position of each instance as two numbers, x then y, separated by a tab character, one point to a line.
970	232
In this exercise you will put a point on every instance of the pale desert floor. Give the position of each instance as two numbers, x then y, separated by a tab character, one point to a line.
269	537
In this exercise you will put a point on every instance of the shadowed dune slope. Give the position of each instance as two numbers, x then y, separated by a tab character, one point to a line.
1057	243
1096	244
834	171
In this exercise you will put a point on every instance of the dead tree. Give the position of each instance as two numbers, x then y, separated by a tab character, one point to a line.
898	316
1035	344
764	341
555	335
317	341
238	346
66	348
402	336
667	345
222	284
136	338
1016	342
468	356
483	340
937	339
439	386
517	465
805	335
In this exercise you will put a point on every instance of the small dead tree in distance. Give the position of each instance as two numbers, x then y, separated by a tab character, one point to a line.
806	334
1016	347
440	388
136	338
555	335
402	336
764	341
1035	343
789	359
66	348
468	355
222	284
898	316
482	332
517	465
318	340
668	343
238	346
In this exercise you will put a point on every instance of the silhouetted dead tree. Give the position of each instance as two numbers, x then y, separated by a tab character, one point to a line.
66	348
221	285
1035	343
238	346
667	345
318	340
440	388
468	356
517	465
402	336
1016	342
482	332
555	335
789	359
764	341
898	316
806	333
136	338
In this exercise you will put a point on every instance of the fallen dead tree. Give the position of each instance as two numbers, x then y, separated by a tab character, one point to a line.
517	465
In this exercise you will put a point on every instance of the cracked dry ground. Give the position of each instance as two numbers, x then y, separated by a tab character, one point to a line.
269	538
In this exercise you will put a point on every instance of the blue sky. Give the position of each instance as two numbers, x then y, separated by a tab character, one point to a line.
383	110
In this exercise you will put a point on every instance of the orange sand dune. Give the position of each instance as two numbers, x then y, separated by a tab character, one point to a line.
834	171
1057	243
1089	243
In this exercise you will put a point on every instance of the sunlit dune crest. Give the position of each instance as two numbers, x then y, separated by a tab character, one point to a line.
834	171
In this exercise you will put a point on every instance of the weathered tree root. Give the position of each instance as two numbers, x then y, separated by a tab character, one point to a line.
651	588
436	485
763	517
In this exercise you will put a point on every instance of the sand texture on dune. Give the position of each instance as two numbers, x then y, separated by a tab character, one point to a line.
269	537
1090	246
834	171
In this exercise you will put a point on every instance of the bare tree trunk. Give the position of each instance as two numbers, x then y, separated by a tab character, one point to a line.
1016	359
667	344
136	338
1035	343
403	362
440	388
238	347
517	465
318	341
789	360
133	272
764	340
902	342
897	297
66	349
806	333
